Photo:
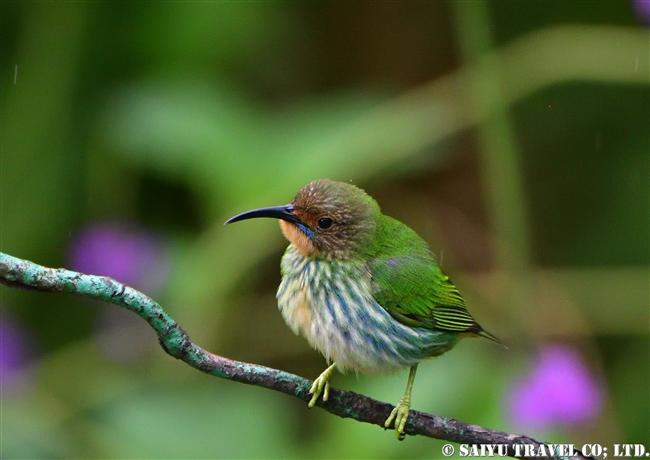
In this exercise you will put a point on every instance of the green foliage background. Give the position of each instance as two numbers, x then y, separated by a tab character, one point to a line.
514	136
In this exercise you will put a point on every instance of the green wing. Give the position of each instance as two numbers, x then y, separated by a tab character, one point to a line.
409	284
416	292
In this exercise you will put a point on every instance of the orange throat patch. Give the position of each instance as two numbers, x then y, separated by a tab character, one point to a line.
298	238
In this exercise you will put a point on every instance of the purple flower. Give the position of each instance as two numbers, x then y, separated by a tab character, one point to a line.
123	252
14	353
559	390
642	10
130	255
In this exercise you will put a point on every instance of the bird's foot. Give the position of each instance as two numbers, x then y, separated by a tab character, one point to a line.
400	414
321	386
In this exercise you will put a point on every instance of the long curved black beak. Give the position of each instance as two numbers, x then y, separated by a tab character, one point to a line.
276	212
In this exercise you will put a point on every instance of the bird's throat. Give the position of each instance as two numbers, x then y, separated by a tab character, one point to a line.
298	238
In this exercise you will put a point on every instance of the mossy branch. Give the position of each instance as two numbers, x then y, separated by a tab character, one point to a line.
22	274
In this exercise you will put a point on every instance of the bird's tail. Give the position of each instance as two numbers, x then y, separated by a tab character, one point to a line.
487	335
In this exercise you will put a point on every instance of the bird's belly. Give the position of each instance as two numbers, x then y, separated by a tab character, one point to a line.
338	316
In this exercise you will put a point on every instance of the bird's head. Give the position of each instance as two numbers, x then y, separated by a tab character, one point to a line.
326	219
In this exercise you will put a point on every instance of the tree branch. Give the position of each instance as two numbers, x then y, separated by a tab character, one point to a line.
22	274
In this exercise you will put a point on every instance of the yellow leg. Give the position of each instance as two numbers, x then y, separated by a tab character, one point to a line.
401	412
321	385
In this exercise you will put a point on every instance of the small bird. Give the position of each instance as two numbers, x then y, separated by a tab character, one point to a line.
363	288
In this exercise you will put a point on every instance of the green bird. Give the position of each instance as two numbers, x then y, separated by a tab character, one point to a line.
363	288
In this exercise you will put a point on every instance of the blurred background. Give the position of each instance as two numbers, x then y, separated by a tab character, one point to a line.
513	136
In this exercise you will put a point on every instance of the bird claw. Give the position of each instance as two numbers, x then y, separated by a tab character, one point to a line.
321	386
400	414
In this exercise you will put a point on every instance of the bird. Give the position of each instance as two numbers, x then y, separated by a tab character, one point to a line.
363	288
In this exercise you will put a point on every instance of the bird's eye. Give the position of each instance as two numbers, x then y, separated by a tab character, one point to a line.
325	223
